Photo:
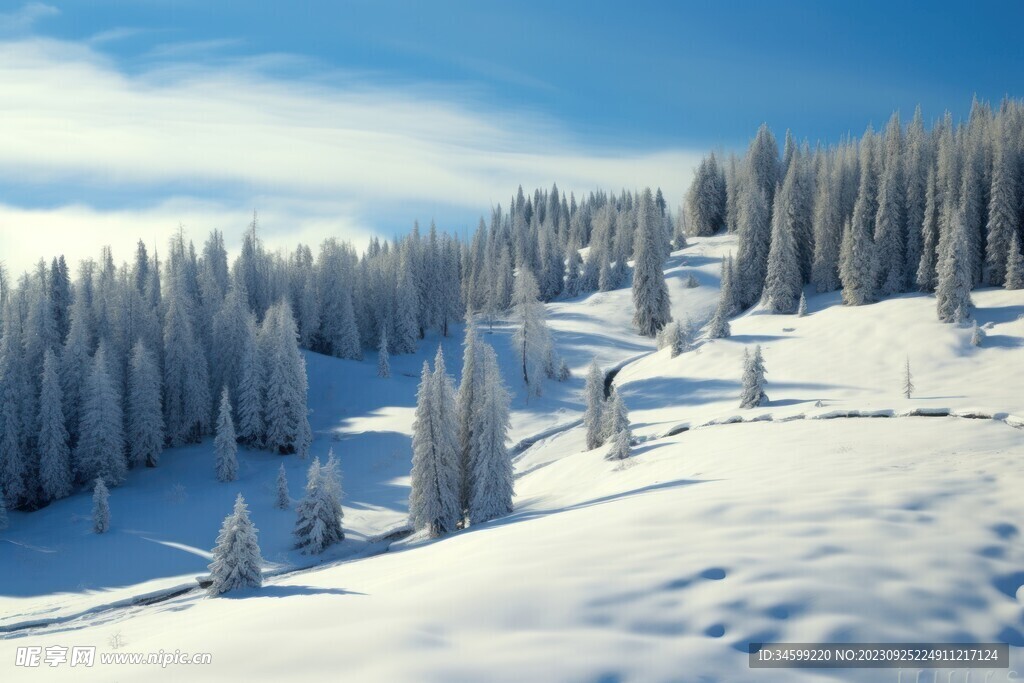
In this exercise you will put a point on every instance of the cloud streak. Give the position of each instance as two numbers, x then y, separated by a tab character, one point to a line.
318	151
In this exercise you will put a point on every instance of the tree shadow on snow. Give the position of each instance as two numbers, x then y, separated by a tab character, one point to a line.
998	314
279	591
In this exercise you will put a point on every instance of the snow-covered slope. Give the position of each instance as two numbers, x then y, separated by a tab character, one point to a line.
662	567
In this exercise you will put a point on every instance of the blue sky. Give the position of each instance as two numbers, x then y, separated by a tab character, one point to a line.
356	117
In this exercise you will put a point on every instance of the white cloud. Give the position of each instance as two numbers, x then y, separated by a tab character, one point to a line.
73	118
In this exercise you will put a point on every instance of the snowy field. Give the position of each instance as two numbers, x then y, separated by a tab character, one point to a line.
662	567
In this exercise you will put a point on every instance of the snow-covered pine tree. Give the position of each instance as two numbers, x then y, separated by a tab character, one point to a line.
434	493
532	338
783	282
15	483
719	328
251	382
650	294
225	445
1014	265
593	398
100	507
236	558
285	412
100	450
573	270
953	291
753	380
977	335
383	362
858	259
467	405
1004	206
318	515
55	478
406	308
917	161
801	309
283	500
620	448
616	416
827	226
491	478
908	382
3	512
187	402
706	198
926	269
145	413
890	276
564	373
74	365
754	244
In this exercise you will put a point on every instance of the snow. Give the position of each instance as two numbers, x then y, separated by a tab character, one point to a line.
787	522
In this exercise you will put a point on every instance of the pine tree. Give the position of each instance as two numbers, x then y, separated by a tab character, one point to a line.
100	450
593	397
616	416
858	259
1003	209
917	164
801	310
236	557
977	335
470	393
620	448
55	478
953	291
225	445
186	377
783	282
383	364
145	413
926	270
319	515
251	382
74	365
491	477
650	294
706	198
100	507
434	494
283	500
3	512
532	339
285	412
908	383
753	380
891	277
754	244
15	483
1014	265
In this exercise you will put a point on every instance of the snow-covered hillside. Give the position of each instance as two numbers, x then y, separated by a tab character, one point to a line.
661	567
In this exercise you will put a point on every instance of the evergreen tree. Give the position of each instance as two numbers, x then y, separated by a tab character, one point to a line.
827	227
532	339
3	512
616	416
706	198
55	477
100	450
783	282
383	364
74	365
927	269
753	380
754	244
593	396
650	294
915	178
236	557
225	445
908	383
145	413
406	309
434	494
801	309
470	394
285	412
858	259
1003	212
100	507
15	478
953	291
319	516
283	500
491	477
251	382
890	276
719	327
620	448
977	335
1014	265
187	401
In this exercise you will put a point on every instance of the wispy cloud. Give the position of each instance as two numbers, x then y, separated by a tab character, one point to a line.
316	152
24	19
